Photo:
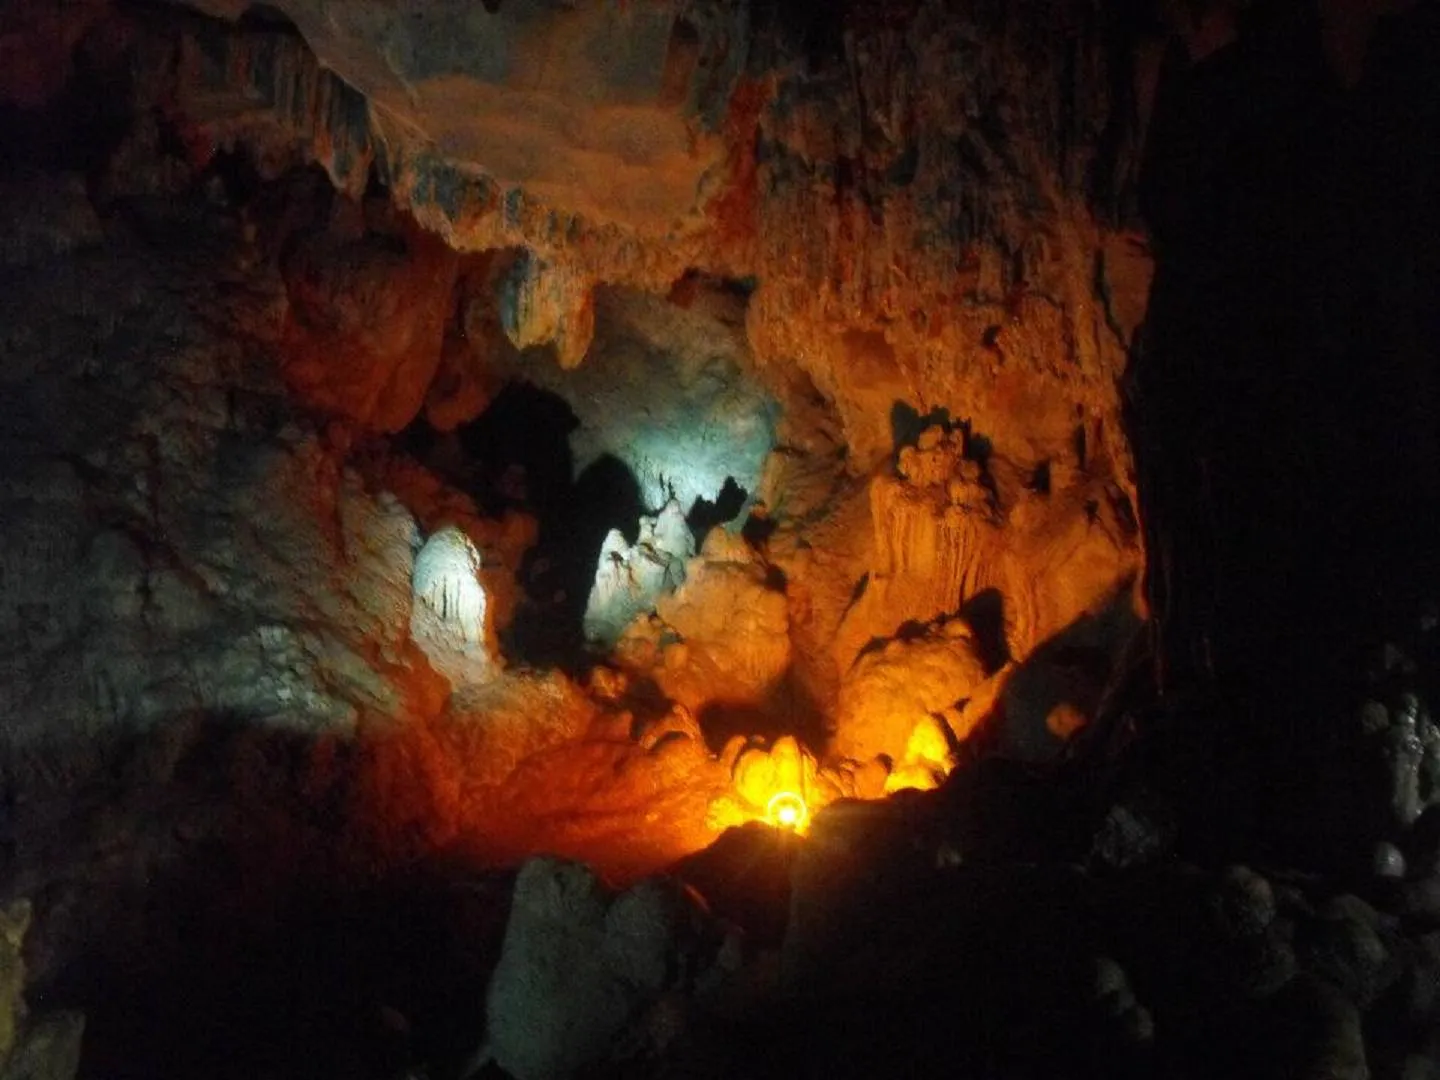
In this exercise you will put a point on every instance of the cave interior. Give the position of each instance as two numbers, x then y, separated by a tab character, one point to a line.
723	538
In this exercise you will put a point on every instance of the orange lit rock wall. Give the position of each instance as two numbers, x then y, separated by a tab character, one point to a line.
925	209
931	205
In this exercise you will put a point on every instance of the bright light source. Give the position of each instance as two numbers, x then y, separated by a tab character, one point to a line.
786	810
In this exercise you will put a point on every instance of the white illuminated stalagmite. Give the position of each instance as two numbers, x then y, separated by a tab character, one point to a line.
628	580
447	580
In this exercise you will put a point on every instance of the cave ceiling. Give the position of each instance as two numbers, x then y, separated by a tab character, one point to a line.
933	207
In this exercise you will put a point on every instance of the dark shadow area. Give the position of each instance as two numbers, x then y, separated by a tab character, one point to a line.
79	128
205	895
1292	293
706	514
1072	668
984	613
745	877
909	630
787	710
906	423
517	455
267	18
605	496
1284	394
758	529
559	572
520	446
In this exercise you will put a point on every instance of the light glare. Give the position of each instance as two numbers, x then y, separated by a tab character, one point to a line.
786	810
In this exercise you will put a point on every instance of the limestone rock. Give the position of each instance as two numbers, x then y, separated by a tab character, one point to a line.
552	1005
928	758
543	305
447	580
1042	577
461	389
577	965
450	619
630	579
185	545
669	392
722	636
924	236
503	722
674	137
899	685
380	301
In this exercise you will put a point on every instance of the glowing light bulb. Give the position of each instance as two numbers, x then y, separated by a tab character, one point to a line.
786	810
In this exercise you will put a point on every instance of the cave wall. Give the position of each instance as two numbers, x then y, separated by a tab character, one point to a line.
911	228
173	542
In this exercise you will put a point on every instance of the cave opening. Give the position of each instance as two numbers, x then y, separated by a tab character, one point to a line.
660	415
724	509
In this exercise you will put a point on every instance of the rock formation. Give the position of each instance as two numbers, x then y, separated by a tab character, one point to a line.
738	442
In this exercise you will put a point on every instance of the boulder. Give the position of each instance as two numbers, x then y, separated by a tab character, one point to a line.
1317	1034
1242	903
1347	946
381	301
892	688
48	1050
1133	832
582	970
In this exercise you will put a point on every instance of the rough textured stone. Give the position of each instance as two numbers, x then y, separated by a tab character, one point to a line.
893	688
1347	946
668	390
890	256
363	333
845	186
722	637
1243	903
182	545
1319	1034
631	578
50	1049
578	965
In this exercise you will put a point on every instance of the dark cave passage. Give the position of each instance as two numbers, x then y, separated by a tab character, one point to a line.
517	455
706	514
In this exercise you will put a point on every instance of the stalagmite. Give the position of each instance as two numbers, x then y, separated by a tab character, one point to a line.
446	579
